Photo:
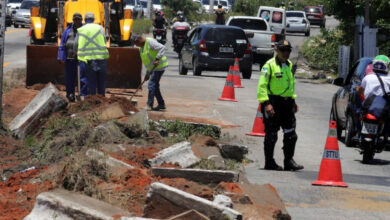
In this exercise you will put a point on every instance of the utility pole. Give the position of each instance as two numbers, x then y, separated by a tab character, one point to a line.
3	8
211	9
149	9
367	13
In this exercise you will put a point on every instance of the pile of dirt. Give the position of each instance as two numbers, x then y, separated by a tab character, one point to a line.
97	101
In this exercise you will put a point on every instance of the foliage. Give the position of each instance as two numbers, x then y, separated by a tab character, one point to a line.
173	6
186	129
142	26
322	51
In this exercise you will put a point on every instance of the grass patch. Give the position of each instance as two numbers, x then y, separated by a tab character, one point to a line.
187	129
142	26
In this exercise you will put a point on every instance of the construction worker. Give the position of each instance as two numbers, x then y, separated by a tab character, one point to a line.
276	93
67	55
152	55
220	12
93	53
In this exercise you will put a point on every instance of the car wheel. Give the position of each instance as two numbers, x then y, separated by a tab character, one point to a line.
16	25
197	70
349	131
246	74
307	33
182	69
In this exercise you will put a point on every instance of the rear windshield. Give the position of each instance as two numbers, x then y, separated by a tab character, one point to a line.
253	24
156	2
265	14
313	10
294	14
29	4
144	4
277	17
14	1
225	35
223	3
129	2
206	2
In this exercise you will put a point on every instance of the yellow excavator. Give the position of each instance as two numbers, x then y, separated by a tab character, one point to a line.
50	19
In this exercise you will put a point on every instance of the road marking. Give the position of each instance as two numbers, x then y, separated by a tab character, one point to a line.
13	31
6	64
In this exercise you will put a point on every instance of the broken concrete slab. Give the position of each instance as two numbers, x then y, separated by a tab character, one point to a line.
163	194
223	201
101	157
154	125
111	111
180	153
136	125
189	215
64	205
210	153
197	175
233	151
47	101
137	218
109	133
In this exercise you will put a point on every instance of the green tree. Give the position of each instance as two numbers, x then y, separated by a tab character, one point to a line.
186	6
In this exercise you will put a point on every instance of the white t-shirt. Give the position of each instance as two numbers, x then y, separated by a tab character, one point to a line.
372	85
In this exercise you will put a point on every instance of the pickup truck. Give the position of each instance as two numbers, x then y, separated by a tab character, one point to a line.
261	38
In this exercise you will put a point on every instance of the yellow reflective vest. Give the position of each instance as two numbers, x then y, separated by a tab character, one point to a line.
91	43
148	57
276	79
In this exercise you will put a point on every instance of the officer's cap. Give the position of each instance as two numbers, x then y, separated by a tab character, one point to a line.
283	44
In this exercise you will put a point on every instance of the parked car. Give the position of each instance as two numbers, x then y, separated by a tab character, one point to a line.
225	5
206	5
276	18
8	19
315	15
22	16
13	6
157	4
346	103
215	47
297	22
136	7
260	36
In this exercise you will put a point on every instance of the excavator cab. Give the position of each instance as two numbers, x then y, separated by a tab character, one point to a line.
52	17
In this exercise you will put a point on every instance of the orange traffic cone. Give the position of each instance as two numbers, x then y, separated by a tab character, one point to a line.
330	171
236	76
228	90
258	125
237	64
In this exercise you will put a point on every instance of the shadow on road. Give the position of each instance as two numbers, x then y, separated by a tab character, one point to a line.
349	178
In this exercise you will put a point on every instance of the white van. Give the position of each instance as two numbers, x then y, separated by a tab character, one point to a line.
276	18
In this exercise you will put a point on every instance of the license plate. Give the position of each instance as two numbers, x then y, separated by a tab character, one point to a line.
310	17
226	50
158	37
369	128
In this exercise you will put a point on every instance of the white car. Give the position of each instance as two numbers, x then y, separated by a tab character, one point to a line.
225	5
157	4
136	7
276	18
13	5
297	22
144	4
206	5
259	34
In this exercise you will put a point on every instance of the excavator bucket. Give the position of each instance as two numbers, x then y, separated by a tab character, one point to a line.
123	67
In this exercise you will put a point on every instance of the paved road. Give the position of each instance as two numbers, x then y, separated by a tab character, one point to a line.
16	40
368	195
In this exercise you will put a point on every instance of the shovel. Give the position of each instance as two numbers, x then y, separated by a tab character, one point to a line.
78	96
145	79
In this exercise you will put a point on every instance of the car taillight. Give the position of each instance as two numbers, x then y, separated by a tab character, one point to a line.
180	36
30	32
304	21
202	46
371	117
248	49
273	38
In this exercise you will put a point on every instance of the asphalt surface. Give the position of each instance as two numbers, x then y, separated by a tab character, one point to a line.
368	194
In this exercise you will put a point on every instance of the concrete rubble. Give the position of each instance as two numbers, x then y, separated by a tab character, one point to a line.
223	201
108	133
108	160
210	153
159	192
44	103
111	111
197	175
233	151
136	125
61	204
180	153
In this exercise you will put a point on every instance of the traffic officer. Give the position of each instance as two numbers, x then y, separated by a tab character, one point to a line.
276	93
220	12
92	51
67	55
152	55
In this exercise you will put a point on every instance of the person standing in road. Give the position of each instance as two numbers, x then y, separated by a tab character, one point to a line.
220	12
152	55
67	55
276	93
92	51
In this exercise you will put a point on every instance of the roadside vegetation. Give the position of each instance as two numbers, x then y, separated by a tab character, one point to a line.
142	26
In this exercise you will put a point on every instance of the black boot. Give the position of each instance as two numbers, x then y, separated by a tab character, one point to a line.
290	165
289	141
270	164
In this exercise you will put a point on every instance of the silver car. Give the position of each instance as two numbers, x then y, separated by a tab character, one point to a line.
136	7
22	16
297	22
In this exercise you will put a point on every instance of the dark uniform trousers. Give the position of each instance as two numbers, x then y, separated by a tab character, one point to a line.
284	117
